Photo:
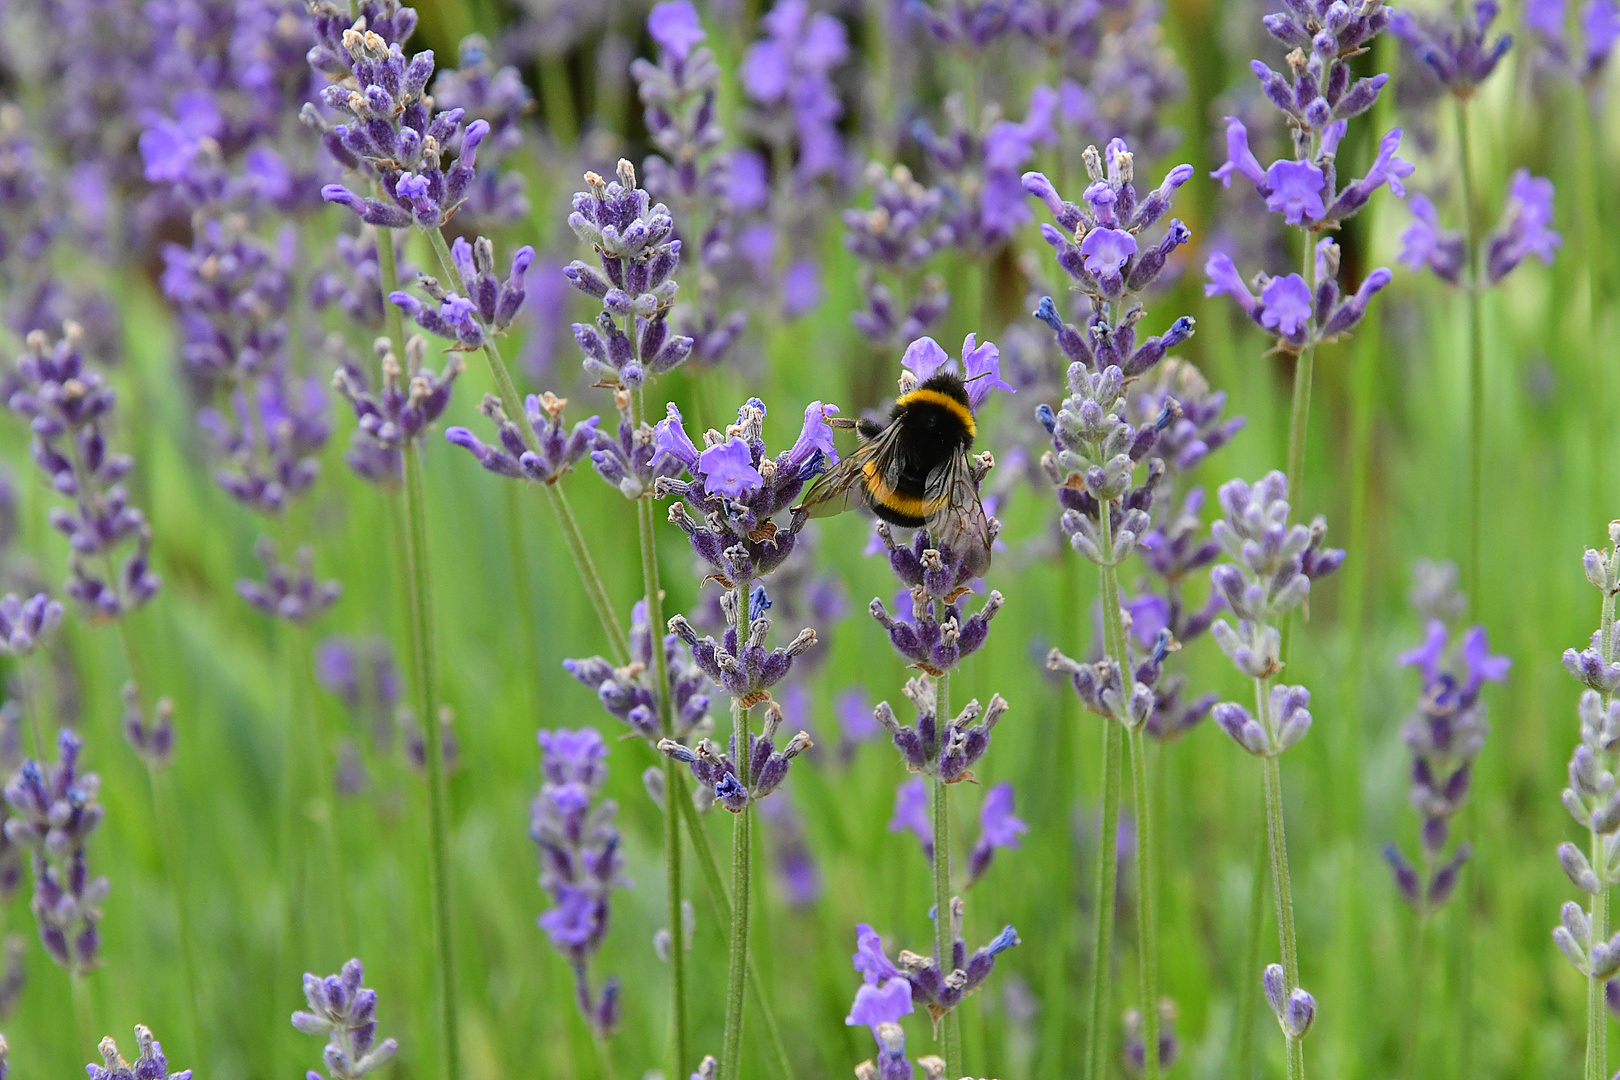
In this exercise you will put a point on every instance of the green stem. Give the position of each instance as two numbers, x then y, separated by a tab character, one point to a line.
1248	999
1414	1019
388	279
1097	1061
170	841
1597	1032
653	600
741	881
1473	583
710	868
944	943
427	708
1594	254
31	709
574	541
1281	887
85	1023
1146	913
319	749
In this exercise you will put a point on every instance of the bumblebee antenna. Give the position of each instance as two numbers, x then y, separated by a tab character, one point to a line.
975	378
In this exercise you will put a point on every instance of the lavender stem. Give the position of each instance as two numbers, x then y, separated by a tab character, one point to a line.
1590	161
940	804
1107	847
1597	1033
1146	915
741	870
316	746
710	867
31	709
1281	888
1414	1019
1473	584
654	601
427	700
85	1024
1252	960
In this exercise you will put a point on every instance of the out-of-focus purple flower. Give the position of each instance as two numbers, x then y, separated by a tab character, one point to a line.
346	1013
999	827
149	1064
152	739
363	675
1426	244
26	624
288	592
1600	28
980	159
1456	49
67	404
787	74
53	812
911	814
796	866
1136	1038
1525	229
498	97
580	861
905	227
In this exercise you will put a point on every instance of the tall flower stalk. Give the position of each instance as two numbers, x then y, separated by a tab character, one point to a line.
736	490
1593	802
1274	564
1093	462
1317	98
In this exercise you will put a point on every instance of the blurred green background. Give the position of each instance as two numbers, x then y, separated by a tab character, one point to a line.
1386	464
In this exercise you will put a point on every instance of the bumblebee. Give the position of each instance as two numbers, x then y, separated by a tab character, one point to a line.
914	471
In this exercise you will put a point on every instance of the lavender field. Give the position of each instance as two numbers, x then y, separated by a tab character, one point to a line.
1037	539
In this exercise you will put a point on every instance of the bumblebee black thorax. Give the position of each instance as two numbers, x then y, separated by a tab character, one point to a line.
936	422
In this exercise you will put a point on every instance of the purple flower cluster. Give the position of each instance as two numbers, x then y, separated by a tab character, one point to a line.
26	624
1318	96
398	413
796	865
1445	736
928	627
151	739
150	1064
1525	230
489	305
740	663
999	827
11	759
287	592
906	226
387	132
353	280
634	240
628	693
1273	566
946	753
736	488
715	770
557	447
1456	50
580	861
53	812
891	989
1099	242
1128	77
67	404
346	1013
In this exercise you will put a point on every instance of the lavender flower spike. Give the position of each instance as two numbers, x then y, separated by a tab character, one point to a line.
346	1013
580	861
941	991
716	770
26	624
53	812
150	1065
559	447
287	592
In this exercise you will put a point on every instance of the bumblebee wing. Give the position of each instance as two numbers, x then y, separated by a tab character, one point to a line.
956	516
844	486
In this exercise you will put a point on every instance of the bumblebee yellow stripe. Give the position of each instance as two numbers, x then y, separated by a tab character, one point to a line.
884	495
944	401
